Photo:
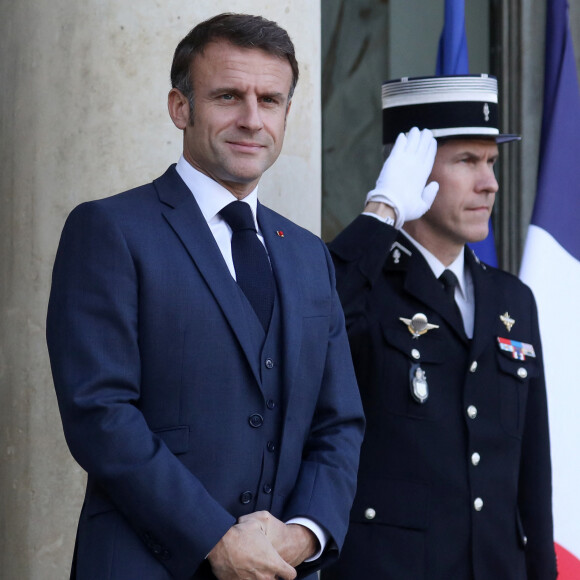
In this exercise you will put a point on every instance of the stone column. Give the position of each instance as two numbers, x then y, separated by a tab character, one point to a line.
83	115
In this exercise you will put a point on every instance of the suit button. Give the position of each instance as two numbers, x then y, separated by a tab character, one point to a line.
160	552
472	412
525	540
473	366
246	497
256	420
475	458
370	514
267	488
478	504
522	373
415	354
271	404
271	446
269	363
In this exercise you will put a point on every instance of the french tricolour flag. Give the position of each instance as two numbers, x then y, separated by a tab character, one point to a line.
551	266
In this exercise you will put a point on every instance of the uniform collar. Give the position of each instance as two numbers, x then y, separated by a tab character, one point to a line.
457	266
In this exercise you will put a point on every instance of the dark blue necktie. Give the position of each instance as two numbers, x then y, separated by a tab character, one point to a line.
253	271
450	281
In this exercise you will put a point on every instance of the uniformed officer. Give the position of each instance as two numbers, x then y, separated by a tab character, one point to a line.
455	476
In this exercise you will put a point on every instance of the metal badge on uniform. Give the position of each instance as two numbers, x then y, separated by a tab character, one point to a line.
519	350
507	320
418	384
486	112
418	325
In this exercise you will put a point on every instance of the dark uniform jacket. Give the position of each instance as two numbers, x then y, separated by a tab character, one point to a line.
184	416
459	486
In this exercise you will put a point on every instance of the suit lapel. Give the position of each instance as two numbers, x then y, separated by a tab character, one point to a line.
185	218
284	256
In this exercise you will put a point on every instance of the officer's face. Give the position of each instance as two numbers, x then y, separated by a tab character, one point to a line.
467	187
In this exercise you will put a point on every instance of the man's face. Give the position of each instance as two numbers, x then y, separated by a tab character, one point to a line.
467	187
241	103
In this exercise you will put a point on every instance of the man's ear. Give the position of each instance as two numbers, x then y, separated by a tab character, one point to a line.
178	106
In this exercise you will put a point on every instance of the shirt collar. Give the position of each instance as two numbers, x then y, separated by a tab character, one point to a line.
211	197
457	266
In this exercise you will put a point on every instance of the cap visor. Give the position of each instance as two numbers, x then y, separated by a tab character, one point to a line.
507	137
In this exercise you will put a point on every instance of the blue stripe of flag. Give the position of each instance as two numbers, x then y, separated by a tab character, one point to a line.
452	56
557	205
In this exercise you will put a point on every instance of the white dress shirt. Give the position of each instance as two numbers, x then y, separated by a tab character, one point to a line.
211	197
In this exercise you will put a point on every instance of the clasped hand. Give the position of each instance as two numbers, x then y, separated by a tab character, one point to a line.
261	547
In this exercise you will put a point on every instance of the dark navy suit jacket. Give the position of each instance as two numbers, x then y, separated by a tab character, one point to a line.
159	384
457	487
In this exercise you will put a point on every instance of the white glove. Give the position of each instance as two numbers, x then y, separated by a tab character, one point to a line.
401	183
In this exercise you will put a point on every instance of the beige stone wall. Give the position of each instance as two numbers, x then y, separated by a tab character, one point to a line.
83	115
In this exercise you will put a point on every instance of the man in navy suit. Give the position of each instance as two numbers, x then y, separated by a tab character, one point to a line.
454	479
220	432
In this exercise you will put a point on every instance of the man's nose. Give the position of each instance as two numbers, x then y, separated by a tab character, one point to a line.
250	116
487	182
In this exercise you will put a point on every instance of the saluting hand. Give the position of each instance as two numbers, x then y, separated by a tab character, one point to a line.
402	181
